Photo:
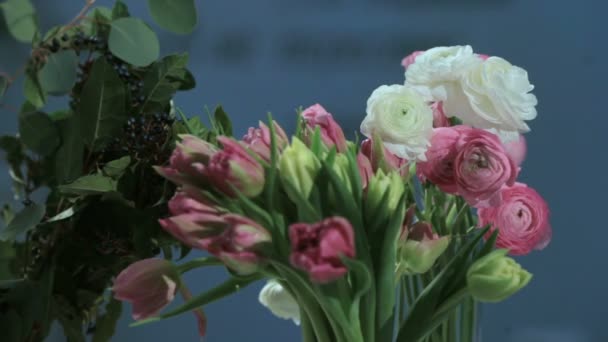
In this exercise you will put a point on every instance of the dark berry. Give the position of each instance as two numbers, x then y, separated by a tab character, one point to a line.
65	37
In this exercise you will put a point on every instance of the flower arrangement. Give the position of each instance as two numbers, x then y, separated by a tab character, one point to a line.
397	237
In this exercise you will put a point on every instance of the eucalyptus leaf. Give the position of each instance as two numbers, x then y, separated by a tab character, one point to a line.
163	80
90	185
120	10
117	167
33	92
178	16
39	133
103	108
133	41
24	221
20	18
58	75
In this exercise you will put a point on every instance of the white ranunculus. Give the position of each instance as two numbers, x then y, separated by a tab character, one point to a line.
402	118
439	65
274	297
493	95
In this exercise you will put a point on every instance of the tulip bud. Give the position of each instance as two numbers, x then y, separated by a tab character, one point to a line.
365	169
380	184
341	167
186	165
495	277
149	284
331	133
298	167
259	140
280	302
420	250
381	158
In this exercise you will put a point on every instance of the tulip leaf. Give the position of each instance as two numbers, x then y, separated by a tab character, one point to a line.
227	288
58	74
178	16
222	121
133	41
20	18
39	133
24	221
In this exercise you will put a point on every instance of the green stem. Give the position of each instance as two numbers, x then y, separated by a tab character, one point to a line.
468	322
199	262
308	332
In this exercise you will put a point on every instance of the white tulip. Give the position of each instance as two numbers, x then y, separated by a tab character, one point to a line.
280	302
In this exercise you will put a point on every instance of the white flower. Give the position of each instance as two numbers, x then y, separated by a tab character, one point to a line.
402	118
493	95
439	65
274	297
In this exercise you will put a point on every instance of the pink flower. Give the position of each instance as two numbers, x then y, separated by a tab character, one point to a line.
439	167
482	167
259	140
149	284
365	169
439	118
382	158
239	245
331	133
522	220
234	167
517	150
483	57
186	165
317	248
411	58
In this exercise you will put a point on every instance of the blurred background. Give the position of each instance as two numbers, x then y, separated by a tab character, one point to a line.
273	56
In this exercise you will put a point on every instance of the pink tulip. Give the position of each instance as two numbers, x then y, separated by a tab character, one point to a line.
410	59
194	222
233	167
186	165
239	245
149	284
517	150
317	248
365	169
382	158
439	118
331	133
259	140
522	220
482	167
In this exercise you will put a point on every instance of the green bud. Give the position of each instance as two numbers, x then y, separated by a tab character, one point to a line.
382	183
495	277
420	250
341	167
299	167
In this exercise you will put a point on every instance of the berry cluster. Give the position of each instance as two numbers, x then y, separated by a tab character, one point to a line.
133	81
91	43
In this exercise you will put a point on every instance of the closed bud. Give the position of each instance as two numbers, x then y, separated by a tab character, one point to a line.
298	167
495	277
419	249
380	184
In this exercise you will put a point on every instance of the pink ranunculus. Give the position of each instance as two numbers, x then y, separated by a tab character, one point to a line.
522	220
517	150
482	167
382	158
410	59
439	166
439	118
259	140
194	222
317	248
239	245
186	164
331	133
365	169
234	167
149	284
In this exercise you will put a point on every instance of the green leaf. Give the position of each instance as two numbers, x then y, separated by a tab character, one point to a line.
117	167
59	115
133	41
120	10
20	18
163	80
39	133
69	157
229	287
106	325
90	185
188	82
24	221
222	121
66	214
33	92
178	16
3	86
11	325
102	111
58	75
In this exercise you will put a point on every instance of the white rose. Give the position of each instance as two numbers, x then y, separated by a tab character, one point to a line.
274	297
441	64
493	95
402	118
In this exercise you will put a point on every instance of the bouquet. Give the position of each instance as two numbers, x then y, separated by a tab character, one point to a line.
364	241
397	235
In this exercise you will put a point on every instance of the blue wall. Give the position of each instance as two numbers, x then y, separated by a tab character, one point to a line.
275	55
